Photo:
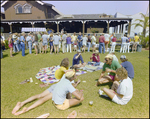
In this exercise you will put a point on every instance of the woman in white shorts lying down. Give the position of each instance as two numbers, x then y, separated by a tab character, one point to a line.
124	90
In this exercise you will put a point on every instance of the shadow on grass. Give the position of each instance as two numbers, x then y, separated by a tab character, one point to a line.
14	54
5	55
107	98
26	53
109	84
76	105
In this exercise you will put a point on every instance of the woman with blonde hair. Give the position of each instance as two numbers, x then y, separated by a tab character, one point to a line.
123	92
10	42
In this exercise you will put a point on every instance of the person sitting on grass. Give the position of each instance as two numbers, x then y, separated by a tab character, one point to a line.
47	95
128	66
77	57
95	58
109	66
114	56
123	92
62	88
64	65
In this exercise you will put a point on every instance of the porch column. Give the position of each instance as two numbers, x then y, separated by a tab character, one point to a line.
32	23
83	22
10	24
122	28
129	27
108	26
57	22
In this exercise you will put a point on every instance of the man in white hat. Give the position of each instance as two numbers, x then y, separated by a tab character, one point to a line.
62	88
76	59
110	66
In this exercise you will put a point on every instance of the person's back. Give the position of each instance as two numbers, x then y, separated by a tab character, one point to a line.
68	40
45	37
101	39
106	37
39	37
125	88
64	37
85	40
63	87
56	39
123	39
129	67
136	38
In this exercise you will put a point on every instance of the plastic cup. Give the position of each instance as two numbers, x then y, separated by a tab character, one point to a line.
91	103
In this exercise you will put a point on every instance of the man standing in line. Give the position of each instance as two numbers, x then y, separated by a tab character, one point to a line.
136	42
64	42
79	39
106	40
101	43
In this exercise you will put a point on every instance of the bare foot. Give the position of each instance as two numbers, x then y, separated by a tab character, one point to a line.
20	112
72	114
44	115
17	107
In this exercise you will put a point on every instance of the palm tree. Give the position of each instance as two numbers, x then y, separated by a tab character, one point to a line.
142	23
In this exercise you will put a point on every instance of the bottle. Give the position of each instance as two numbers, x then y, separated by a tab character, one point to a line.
31	80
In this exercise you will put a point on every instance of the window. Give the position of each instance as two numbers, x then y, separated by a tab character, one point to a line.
26	8
126	27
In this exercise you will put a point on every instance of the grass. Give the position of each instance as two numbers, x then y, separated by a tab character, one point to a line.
17	69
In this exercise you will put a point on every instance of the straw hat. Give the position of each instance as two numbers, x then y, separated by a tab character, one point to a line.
110	56
96	52
69	73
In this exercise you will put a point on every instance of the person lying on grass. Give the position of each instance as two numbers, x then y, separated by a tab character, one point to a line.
76	59
109	66
123	92
47	94
95	58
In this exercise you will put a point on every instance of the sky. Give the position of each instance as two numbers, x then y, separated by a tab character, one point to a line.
100	7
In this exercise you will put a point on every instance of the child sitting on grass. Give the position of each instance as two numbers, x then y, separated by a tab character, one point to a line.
95	59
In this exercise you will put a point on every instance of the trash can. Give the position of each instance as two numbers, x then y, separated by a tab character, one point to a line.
139	48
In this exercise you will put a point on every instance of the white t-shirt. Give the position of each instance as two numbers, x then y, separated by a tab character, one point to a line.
84	40
126	88
106	37
63	87
93	39
115	58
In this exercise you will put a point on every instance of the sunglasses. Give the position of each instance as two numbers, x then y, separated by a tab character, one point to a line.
106	60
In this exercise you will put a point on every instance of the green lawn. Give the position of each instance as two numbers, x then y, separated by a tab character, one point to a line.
17	69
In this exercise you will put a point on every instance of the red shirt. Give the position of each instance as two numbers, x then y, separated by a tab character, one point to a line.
114	39
101	39
94	59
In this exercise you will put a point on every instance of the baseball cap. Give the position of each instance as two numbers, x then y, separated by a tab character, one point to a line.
69	73
123	57
135	33
110	56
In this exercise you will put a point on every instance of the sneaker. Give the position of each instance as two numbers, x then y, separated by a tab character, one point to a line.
100	92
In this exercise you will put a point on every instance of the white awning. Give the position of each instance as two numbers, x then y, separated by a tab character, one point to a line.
30	29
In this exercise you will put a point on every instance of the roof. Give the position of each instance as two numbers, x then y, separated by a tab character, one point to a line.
38	1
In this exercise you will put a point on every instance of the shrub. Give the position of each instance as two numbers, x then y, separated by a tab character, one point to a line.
144	41
94	30
6	44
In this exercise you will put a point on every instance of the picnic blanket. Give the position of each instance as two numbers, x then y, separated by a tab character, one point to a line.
47	75
92	68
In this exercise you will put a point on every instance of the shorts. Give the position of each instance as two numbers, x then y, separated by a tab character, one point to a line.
112	77
75	46
56	44
51	43
51	88
118	100
64	106
93	43
106	42
44	44
35	43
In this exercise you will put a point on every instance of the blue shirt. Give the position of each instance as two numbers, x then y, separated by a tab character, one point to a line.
129	67
56	39
124	39
76	61
22	39
80	37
